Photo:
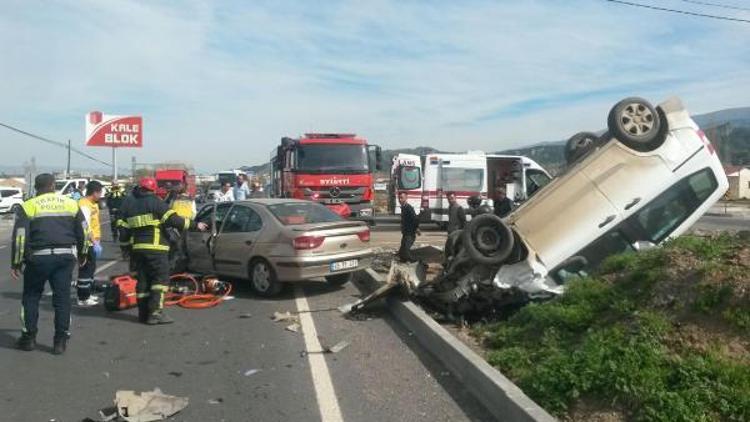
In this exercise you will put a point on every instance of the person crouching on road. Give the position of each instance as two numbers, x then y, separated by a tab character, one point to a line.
47	236
143	223
409	228
89	205
456	214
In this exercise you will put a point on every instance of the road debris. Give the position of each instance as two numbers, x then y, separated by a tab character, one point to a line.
245	316
108	414
251	372
284	316
337	347
148	406
293	328
217	400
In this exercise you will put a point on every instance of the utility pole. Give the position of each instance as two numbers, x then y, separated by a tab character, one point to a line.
114	164
132	168
67	171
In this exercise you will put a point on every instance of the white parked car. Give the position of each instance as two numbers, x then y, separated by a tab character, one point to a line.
10	199
644	181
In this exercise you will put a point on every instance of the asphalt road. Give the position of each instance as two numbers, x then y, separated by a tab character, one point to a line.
233	356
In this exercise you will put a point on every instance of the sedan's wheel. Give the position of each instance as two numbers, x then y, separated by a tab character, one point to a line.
488	240
339	279
637	124
579	145
263	279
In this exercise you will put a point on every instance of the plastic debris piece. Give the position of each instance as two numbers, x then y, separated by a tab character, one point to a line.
148	406
251	372
293	328
108	414
217	400
338	347
284	316
245	316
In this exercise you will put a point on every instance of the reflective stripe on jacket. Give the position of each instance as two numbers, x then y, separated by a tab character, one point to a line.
143	218
47	221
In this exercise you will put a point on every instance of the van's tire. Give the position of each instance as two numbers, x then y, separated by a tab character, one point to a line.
263	279
14	208
580	145
339	279
488	240
637	124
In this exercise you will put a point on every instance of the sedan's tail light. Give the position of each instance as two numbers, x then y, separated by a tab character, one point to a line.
364	235
308	242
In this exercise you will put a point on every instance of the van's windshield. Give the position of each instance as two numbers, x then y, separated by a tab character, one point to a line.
409	178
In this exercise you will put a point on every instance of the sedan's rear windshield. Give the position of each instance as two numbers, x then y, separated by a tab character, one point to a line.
296	213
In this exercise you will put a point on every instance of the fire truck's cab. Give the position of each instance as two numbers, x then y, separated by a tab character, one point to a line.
331	168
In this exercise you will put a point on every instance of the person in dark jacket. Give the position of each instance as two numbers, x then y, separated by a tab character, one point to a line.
143	219
409	228
114	200
502	204
48	234
456	214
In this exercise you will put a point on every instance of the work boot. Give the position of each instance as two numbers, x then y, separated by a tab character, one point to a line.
143	310
60	345
159	318
27	342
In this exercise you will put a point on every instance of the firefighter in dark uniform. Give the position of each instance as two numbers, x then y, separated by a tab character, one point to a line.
114	202
143	219
48	234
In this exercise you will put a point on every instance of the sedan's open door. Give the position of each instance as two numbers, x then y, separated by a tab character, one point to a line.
200	244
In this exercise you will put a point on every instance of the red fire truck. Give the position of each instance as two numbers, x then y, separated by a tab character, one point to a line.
334	169
166	178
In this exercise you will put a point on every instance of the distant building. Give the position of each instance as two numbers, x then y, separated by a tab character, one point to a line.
739	182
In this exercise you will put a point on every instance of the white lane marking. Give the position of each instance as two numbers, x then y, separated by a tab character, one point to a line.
3	246
105	266
327	402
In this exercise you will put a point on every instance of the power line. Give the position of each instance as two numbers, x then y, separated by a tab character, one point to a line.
723	6
56	143
683	12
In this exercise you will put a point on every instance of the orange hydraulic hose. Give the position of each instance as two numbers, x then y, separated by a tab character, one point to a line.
194	300
203	301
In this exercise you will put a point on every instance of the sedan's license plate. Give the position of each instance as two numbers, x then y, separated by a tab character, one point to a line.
344	265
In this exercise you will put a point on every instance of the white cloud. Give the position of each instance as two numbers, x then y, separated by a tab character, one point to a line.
218	85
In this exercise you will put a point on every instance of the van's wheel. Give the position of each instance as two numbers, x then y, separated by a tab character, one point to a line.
488	240
579	145
339	279
14	208
637	124
263	279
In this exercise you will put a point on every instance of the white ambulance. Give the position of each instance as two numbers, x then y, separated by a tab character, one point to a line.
476	173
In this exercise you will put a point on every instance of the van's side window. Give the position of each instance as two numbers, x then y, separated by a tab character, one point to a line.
661	216
535	180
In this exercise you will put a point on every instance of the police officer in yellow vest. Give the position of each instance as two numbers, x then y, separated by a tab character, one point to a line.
143	219
48	234
89	205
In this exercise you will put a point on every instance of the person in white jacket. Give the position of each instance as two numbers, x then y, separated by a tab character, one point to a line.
226	194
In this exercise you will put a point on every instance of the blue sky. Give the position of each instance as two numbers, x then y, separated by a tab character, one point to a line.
219	83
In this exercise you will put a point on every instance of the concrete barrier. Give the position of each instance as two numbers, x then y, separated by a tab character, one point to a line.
497	393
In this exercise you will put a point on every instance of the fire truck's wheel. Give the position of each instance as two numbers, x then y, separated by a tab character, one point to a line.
579	145
637	124
263	279
339	279
488	240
